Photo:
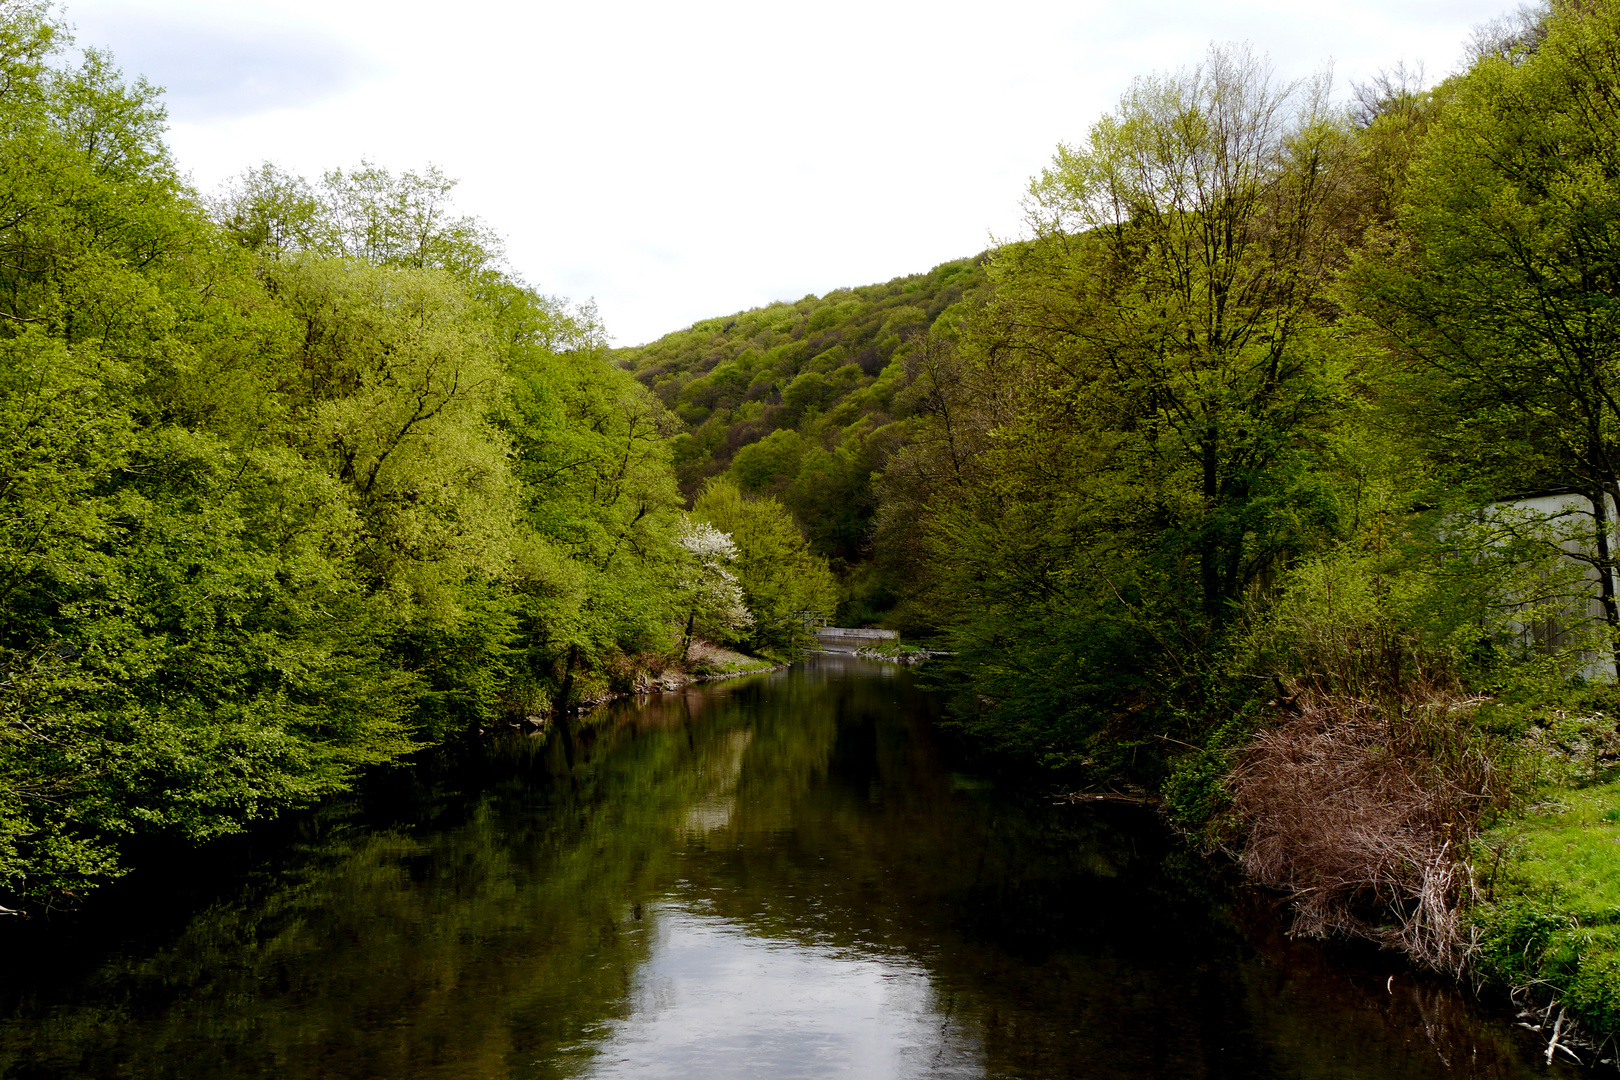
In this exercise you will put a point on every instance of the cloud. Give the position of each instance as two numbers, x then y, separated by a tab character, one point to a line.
682	161
217	70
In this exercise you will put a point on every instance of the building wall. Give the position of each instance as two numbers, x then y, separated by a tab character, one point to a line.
1569	513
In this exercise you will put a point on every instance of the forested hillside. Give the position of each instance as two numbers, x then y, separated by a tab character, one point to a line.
804	402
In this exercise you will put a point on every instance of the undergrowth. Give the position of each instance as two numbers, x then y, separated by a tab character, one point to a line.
1365	812
1369	774
1549	923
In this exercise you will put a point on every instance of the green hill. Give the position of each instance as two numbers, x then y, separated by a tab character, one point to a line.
803	400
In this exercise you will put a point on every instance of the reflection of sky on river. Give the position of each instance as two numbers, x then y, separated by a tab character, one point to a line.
714	1001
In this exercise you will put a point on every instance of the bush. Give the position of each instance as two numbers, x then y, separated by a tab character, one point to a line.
1363	798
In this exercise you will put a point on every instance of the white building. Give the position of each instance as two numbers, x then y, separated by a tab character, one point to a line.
1571	617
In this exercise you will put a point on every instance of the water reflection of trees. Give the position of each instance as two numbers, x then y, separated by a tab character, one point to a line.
1072	939
491	922
490	939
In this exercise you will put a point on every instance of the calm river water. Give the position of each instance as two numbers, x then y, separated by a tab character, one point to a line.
776	877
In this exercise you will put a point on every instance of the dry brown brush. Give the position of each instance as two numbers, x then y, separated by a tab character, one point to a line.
1362	801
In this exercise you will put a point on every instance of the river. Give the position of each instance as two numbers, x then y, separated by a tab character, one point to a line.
781	876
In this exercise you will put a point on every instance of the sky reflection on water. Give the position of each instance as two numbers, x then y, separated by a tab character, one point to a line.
715	1001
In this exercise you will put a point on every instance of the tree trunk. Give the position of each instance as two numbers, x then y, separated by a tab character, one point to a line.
561	706
1209	545
1611	612
686	642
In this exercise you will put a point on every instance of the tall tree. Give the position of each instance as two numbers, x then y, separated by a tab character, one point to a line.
1174	289
1138	428
1504	286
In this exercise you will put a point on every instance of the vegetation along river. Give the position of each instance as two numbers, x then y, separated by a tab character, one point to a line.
781	876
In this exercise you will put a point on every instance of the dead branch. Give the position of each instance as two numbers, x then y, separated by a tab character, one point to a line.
1363	812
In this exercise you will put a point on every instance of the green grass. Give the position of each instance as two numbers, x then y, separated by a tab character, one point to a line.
1552	917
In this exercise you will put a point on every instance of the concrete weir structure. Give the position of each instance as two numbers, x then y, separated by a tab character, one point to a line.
847	639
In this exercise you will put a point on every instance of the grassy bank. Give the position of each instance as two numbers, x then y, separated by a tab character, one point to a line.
658	672
1478	835
706	662
1549	923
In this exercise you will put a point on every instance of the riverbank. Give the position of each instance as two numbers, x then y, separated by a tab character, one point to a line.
1478	838
658	673
704	662
895	652
1548	922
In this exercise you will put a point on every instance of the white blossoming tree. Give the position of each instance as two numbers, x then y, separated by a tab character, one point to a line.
713	596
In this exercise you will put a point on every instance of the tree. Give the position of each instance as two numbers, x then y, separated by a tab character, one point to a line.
391	387
367	213
1502	290
1137	431
600	507
707	586
784	583
1174	293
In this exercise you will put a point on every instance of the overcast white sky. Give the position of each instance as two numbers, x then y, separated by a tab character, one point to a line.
676	161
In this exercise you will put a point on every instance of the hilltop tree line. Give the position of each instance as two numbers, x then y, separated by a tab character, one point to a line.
300	478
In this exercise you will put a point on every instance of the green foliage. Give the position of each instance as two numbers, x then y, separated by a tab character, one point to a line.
784	583
1552	917
366	214
1453	599
600	505
1192	318
762	466
397	375
798	401
1142	426
165	668
287	491
1498	292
